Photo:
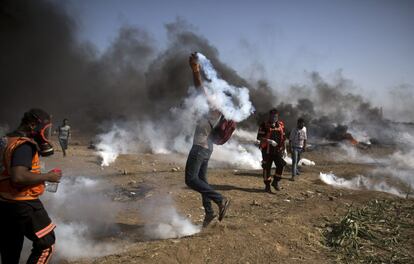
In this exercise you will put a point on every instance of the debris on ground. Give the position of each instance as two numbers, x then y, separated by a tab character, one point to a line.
380	232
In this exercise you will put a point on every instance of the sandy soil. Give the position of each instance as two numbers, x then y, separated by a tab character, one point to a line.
284	227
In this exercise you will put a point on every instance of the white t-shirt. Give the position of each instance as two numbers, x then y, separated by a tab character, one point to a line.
64	132
298	137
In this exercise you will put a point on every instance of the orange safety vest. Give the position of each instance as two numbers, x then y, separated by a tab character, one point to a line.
10	190
264	145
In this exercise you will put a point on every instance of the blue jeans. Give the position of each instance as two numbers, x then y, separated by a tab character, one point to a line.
196	177
296	151
64	145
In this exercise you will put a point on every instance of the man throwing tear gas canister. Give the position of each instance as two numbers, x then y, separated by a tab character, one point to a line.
21	184
271	136
197	161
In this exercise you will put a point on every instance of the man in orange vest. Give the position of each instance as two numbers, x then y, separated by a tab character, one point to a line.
271	135
21	184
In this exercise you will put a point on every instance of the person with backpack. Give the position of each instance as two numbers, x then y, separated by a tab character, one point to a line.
200	153
271	136
21	185
297	145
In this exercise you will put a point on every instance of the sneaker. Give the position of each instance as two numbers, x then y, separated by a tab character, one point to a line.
223	208
207	219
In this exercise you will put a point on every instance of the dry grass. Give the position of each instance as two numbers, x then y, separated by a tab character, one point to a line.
376	233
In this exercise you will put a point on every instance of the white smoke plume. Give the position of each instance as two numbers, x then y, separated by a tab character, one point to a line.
360	136
242	156
361	183
233	102
393	173
349	153
83	215
174	132
245	135
163	221
113	143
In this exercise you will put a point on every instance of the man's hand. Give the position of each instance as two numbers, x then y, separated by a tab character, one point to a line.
21	175
54	176
195	66
272	142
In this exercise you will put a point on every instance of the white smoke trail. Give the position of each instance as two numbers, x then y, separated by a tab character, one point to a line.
81	213
233	102
163	221
242	156
111	144
349	153
393	173
174	134
245	135
360	183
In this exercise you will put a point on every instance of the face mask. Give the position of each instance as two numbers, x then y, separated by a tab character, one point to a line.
273	119
42	140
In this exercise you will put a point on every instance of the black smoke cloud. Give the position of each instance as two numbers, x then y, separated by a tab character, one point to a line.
44	65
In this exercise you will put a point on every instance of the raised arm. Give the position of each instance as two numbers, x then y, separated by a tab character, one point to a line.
195	67
198	83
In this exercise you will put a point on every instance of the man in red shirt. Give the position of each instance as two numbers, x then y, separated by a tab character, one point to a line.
271	135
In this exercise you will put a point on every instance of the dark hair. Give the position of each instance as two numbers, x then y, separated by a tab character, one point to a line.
65	119
301	120
273	111
35	115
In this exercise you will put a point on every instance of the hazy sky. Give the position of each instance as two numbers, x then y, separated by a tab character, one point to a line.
371	42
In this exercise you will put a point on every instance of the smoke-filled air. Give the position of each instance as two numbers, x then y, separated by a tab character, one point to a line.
199	132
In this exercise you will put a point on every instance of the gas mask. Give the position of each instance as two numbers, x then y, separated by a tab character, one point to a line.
41	136
273	119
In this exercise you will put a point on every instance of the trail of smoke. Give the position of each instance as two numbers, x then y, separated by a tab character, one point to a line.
360	183
114	142
349	153
241	156
245	135
83	215
233	102
167	135
163	221
393	173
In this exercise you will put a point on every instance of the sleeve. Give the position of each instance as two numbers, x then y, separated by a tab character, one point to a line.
306	134
23	155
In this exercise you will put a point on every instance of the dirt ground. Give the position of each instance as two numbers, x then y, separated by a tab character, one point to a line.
284	227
